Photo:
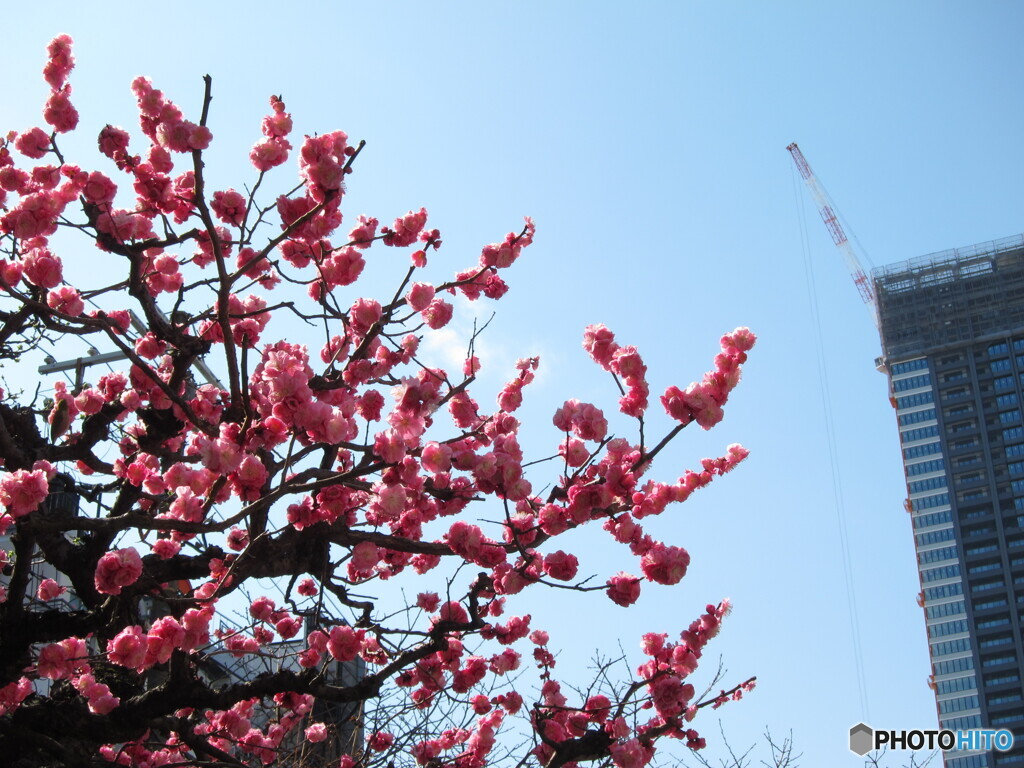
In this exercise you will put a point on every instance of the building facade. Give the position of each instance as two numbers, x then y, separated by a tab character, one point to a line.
952	327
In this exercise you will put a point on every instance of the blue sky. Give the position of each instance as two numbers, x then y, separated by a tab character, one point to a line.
648	142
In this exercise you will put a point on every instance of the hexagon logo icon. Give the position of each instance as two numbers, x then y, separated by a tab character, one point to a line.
861	739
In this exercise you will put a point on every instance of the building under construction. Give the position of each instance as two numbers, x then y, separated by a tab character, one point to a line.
952	328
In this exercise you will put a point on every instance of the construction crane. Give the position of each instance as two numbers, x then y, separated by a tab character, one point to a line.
835	229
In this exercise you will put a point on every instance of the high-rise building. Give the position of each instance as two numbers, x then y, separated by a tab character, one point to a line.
952	327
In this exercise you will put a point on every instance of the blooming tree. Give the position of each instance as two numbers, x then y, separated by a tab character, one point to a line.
323	468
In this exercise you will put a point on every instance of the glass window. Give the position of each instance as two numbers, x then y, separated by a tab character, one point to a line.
913	382
909	401
916	451
910	365
1004	401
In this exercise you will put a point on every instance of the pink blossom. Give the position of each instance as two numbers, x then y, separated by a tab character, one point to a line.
12	694
380	741
405	229
149	346
183	136
269	153
600	345
196	622
186	506
670	695
420	296
49	589
222	455
741	339
365	555
307	587
495	287
735	454
262	608
627	363
166	548
101	701
504	254
465	540
54	661
438	313
46	176
128	648
623	589
279	123
573	451
60	112
436	457
35	215
504	662
99	188
228	206
363	233
60	61
369	405
474	669
165	636
428	601
43	268
90	401
316	732
584	420
288	627
10	272
321	160
389	446
363	314
22	491
629	754
33	143
598	707
66	300
516	628
561	565
238	539
240	645
303	514
247	481
113	142
454	612
464	411
14	179
116	570
342	267
665	564
125	226
344	643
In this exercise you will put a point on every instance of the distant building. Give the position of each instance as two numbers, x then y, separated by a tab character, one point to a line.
952	327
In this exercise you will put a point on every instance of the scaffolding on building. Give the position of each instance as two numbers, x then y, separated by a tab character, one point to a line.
957	296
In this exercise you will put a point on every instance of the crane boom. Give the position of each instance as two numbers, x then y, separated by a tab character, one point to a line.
835	229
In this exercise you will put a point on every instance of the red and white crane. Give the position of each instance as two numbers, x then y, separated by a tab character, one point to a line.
828	215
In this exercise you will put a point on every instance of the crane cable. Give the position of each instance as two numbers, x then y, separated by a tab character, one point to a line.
837	484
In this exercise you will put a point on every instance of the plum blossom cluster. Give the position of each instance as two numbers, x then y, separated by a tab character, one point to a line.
322	460
23	491
703	401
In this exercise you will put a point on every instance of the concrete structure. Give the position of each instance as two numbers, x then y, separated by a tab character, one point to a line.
952	327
